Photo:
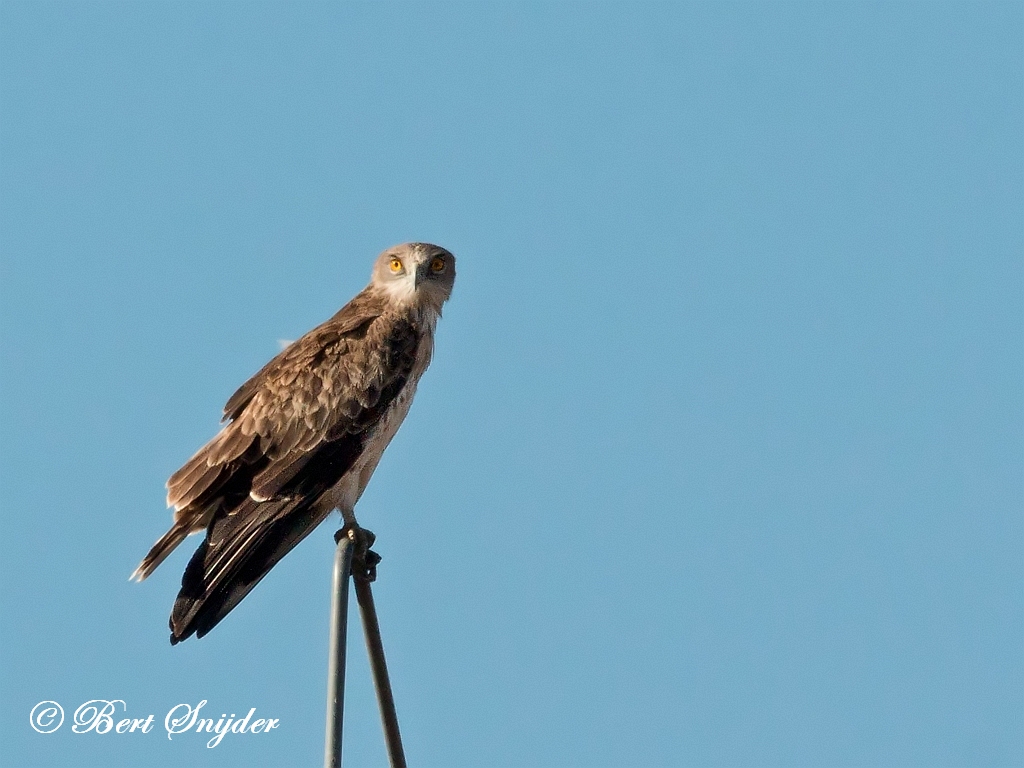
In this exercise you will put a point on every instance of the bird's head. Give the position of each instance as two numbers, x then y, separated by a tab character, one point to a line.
416	275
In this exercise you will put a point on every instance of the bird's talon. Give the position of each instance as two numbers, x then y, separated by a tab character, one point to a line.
364	560
364	564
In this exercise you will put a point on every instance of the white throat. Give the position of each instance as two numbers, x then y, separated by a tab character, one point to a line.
403	291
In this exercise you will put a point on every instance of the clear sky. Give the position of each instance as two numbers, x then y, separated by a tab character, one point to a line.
719	461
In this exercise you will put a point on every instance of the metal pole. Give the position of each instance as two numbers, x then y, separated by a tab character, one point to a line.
336	659
375	648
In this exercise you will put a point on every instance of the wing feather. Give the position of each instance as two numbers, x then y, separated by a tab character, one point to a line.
219	577
232	443
352	320
278	474
201	480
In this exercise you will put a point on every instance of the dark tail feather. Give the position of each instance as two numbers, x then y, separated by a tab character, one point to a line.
164	546
218	576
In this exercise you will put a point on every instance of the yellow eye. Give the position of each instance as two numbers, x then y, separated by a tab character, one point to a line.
437	265
396	265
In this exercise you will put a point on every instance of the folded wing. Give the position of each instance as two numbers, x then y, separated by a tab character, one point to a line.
295	429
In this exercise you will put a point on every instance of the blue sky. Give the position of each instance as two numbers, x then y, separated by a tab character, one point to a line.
719	461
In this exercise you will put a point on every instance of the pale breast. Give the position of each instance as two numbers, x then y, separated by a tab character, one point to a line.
349	489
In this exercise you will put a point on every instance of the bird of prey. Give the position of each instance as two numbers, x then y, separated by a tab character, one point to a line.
303	436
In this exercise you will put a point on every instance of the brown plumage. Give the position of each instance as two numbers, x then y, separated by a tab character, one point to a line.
303	436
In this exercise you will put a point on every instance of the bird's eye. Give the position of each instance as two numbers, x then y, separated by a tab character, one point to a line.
437	265
396	265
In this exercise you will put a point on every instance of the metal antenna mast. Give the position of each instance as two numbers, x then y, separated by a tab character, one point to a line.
353	557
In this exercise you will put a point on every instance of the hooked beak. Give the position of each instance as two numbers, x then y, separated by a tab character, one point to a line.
421	274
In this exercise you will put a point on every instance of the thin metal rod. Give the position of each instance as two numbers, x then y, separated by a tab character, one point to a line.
336	659
379	667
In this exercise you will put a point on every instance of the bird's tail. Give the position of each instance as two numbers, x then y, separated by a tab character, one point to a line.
160	551
238	551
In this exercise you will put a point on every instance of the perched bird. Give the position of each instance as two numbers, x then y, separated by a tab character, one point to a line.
303	436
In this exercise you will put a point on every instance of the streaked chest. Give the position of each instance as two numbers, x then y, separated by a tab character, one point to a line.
348	490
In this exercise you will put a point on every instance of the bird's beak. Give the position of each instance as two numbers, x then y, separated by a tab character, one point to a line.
421	274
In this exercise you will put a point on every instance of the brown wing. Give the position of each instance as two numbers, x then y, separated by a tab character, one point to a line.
280	415
296	428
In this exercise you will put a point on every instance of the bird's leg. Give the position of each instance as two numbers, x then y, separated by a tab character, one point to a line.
364	559
348	515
